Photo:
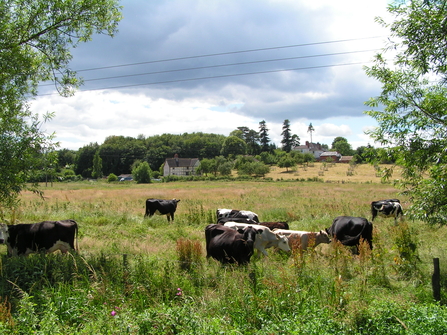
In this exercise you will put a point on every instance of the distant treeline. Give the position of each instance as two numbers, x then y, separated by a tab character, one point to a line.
119	153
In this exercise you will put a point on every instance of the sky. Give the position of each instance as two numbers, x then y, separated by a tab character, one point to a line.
185	66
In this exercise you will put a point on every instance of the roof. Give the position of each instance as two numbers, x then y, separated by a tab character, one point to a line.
346	158
181	162
330	153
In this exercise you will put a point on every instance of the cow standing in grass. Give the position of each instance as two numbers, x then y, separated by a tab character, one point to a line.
349	230
389	208
49	236
228	245
161	207
303	239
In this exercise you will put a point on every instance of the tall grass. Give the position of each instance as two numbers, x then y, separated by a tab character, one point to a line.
147	276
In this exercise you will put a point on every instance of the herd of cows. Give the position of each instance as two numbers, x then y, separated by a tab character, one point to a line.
232	239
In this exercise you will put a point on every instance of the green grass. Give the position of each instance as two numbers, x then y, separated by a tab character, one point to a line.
133	267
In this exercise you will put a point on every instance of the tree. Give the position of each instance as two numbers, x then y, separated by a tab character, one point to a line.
84	160
141	172
288	140
341	145
412	119
233	146
207	166
264	136
36	37
310	130
287	162
225	168
250	137
97	166
66	157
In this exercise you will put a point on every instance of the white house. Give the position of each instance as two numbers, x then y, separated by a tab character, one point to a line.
180	166
313	148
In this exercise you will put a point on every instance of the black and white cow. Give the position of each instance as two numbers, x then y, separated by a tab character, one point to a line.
350	229
161	207
239	220
228	245
389	208
49	236
236	213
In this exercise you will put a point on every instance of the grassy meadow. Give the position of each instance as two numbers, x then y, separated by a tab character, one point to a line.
147	276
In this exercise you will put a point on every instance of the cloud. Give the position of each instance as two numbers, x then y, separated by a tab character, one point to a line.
163	48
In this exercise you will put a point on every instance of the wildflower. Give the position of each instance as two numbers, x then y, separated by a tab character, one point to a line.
113	313
179	292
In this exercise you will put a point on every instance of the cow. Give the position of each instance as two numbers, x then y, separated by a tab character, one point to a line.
275	225
236	213
303	239
389	208
228	245
161	207
49	236
266	239
350	229
222	220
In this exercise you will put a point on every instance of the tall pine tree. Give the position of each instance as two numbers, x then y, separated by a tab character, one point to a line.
288	140
264	136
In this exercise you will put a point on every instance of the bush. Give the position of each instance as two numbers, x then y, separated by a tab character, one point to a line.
111	178
142	173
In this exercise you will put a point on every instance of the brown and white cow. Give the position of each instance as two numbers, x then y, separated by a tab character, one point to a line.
275	225
49	236
304	239
266	239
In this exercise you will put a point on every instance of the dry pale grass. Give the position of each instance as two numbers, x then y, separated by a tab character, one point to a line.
111	215
339	172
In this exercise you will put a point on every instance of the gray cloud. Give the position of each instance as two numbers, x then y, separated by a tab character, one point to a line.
153	31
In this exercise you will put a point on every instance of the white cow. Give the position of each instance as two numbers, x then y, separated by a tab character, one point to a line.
302	239
265	240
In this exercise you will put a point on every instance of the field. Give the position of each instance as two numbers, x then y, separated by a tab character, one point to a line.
147	276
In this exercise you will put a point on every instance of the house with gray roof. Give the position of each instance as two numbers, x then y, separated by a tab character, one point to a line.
180	166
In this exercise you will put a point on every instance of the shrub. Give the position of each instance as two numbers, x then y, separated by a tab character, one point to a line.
142	173
111	178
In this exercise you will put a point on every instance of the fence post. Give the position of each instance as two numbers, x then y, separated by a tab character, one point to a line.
436	280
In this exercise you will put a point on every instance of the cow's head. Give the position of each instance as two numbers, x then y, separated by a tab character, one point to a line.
324	237
4	235
283	242
250	235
